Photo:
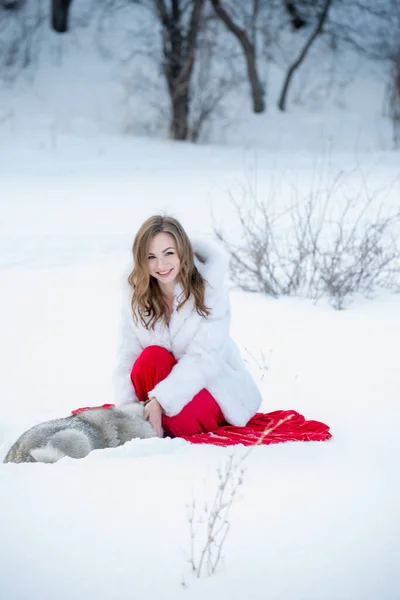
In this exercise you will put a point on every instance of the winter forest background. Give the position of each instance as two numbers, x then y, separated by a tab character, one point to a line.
273	126
193	69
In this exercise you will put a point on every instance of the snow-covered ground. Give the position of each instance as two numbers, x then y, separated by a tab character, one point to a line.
313	521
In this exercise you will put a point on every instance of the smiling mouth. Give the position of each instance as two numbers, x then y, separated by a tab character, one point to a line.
165	274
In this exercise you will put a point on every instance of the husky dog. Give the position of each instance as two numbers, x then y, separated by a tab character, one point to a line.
80	433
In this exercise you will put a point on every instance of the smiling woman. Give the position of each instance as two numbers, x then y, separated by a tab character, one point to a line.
176	353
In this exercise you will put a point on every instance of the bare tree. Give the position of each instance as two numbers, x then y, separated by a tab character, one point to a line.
181	23
368	26
59	15
211	83
247	42
294	66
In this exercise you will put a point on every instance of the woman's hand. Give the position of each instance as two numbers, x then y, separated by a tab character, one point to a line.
153	413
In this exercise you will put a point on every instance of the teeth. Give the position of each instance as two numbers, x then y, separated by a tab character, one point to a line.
164	272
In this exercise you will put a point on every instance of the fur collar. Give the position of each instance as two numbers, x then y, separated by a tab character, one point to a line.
211	260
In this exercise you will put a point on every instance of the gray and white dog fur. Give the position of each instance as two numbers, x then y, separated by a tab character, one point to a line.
79	434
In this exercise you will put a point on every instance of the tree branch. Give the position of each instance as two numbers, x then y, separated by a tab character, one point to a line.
303	54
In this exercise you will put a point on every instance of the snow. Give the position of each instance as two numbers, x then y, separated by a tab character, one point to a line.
312	521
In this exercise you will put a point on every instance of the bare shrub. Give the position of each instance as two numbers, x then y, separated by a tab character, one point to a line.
361	258
314	248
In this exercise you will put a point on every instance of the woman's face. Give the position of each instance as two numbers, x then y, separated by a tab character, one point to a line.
163	259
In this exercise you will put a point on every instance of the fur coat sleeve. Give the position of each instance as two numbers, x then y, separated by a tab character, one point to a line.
128	350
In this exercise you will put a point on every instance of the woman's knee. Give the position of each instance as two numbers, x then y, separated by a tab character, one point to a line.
153	355
200	415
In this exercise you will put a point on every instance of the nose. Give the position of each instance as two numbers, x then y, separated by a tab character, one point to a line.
161	264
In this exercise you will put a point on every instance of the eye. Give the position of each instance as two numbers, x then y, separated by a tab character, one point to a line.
168	253
150	257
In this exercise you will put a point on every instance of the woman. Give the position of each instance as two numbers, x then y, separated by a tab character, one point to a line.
175	352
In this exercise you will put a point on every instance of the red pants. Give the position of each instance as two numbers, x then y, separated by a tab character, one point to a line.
201	414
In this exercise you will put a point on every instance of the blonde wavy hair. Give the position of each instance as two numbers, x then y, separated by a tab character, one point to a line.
148	303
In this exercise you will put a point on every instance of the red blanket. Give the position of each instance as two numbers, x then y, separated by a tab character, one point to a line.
263	428
266	428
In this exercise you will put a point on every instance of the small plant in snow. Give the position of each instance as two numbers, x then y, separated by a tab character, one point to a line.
209	526
212	525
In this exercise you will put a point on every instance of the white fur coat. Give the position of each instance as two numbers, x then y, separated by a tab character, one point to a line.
206	354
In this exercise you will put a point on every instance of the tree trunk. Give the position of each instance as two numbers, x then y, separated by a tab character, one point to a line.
178	78
59	15
179	48
179	126
257	89
302	55
394	100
